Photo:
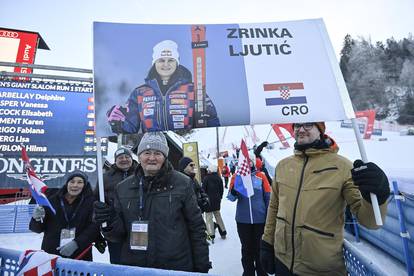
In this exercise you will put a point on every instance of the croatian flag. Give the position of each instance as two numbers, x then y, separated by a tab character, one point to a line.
36	263
243	182
285	93
37	187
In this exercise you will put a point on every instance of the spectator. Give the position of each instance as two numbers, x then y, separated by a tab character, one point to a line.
70	231
213	186
187	166
123	167
155	214
250	219
305	220
226	174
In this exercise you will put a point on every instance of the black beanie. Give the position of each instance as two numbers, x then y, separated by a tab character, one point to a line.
184	163
79	174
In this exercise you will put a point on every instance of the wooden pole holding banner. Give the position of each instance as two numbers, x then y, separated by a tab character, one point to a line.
100	173
374	200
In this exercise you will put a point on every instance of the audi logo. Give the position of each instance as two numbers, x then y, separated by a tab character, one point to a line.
9	34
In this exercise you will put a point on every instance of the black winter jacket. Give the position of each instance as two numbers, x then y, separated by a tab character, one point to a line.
82	208
213	186
176	230
111	178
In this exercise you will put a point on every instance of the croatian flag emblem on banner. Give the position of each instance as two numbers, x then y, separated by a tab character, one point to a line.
243	182
37	187
36	263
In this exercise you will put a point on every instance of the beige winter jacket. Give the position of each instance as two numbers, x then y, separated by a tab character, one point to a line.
305	219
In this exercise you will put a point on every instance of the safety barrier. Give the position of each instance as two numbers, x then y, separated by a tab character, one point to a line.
68	267
388	237
15	218
356	264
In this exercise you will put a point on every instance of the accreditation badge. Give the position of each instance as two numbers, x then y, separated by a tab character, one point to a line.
139	235
67	235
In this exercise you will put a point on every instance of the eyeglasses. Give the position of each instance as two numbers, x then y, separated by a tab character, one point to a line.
191	165
306	126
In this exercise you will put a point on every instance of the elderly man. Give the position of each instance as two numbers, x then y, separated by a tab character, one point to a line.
123	167
155	214
304	227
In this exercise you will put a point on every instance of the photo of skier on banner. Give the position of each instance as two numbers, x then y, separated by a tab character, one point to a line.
166	101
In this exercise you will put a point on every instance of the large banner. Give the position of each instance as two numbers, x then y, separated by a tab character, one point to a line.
157	77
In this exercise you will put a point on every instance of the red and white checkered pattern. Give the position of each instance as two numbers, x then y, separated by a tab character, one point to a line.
244	168
36	263
285	92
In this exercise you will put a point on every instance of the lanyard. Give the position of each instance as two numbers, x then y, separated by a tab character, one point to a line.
73	214
141	199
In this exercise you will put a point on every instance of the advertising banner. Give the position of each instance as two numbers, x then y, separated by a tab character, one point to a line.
51	169
18	46
158	77
48	118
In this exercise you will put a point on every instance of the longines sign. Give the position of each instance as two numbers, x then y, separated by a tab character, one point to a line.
50	169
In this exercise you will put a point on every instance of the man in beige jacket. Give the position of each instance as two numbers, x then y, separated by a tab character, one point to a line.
304	226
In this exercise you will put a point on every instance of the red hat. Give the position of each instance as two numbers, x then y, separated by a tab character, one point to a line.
321	126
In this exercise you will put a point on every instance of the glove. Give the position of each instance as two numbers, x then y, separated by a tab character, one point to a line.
203	202
103	212
259	149
117	113
205	268
68	249
234	192
370	179
267	257
38	213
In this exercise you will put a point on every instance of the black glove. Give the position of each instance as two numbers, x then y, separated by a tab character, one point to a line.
203	202
370	179
259	149
267	257
234	192
205	268
103	212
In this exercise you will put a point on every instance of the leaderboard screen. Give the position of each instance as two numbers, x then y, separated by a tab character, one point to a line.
55	122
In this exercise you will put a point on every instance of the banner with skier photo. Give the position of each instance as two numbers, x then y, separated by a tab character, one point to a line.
152	77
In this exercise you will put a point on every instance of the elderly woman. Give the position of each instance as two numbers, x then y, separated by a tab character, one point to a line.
166	100
70	231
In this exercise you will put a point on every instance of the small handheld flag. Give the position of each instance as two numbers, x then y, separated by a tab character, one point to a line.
37	187
243	182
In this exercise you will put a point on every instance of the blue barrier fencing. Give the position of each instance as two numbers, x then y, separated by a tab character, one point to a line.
15	218
356	264
388	237
68	267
